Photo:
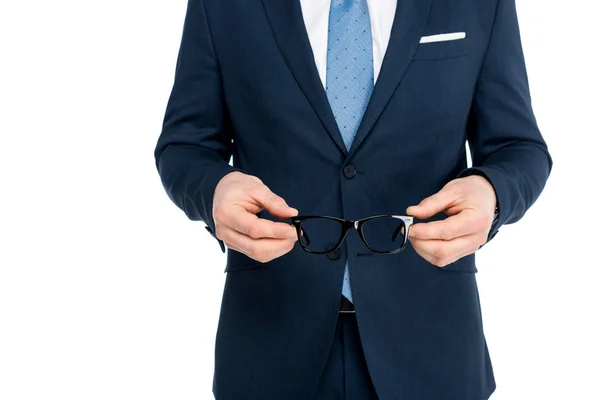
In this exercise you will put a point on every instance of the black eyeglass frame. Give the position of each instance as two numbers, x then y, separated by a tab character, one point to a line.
357	225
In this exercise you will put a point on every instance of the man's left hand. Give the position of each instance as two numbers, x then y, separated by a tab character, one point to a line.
469	203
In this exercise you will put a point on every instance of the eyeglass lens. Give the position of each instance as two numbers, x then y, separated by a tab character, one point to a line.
320	234
384	234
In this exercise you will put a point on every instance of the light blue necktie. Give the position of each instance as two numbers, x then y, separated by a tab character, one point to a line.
349	72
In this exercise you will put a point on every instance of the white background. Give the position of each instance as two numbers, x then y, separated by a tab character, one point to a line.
108	292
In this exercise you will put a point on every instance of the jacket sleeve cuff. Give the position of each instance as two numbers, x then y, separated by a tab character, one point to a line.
498	182
211	180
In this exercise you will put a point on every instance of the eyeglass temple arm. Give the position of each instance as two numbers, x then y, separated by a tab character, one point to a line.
398	230
304	237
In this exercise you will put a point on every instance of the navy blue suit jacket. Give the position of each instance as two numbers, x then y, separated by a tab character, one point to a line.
246	85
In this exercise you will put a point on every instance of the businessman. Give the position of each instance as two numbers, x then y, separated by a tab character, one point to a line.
335	112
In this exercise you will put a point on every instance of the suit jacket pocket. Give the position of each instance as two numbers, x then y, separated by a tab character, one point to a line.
440	50
465	264
237	261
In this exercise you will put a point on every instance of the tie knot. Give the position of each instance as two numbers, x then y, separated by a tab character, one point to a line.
347	4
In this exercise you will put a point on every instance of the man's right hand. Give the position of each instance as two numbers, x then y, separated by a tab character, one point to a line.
238	198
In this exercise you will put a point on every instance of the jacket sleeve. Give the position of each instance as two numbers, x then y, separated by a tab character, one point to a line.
195	146
506	145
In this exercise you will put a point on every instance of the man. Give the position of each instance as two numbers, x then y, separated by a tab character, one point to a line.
351	109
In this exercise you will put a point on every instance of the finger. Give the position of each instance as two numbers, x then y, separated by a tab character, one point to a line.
434	204
263	250
453	227
274	204
250	225
441	253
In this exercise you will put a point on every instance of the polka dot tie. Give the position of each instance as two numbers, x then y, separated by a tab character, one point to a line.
349	73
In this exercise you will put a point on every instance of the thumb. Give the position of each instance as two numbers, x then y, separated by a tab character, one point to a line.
432	205
273	203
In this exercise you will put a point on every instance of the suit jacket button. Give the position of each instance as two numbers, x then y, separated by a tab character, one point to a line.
349	171
335	255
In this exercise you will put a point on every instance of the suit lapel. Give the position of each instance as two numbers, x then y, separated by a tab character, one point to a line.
287	23
409	25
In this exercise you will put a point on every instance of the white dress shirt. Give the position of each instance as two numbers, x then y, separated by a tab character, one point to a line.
316	19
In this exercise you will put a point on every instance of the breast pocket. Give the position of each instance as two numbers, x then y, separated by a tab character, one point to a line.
434	49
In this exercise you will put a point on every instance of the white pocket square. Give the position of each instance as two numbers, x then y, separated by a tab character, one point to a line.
443	37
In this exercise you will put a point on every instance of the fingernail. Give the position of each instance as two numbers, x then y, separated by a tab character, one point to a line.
292	234
413	230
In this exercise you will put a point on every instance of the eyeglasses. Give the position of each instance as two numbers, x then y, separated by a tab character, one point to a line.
384	234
